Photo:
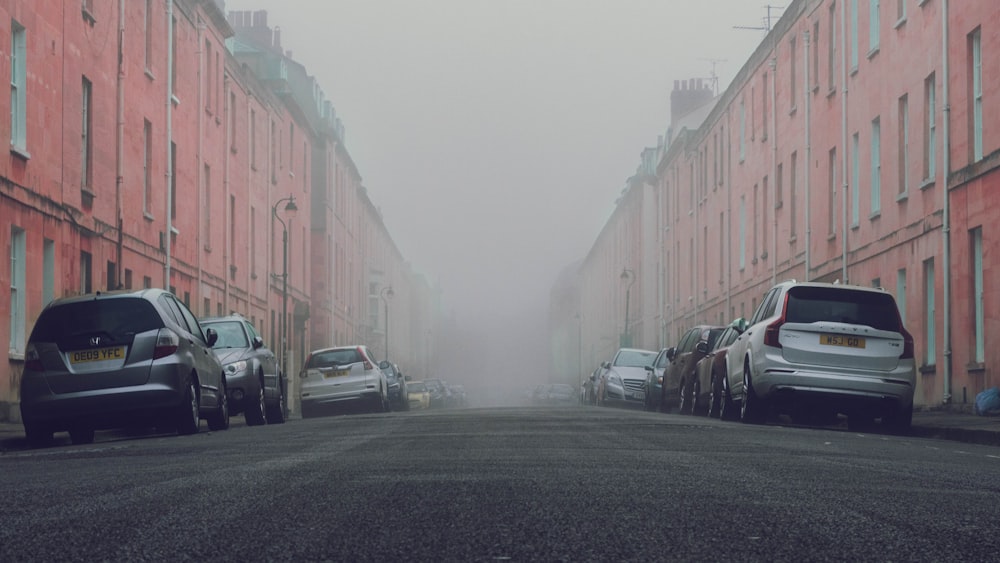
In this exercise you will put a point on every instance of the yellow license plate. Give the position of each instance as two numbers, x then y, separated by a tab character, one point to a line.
97	355
336	373
842	340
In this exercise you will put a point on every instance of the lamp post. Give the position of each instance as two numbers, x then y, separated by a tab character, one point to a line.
386	295
290	210
626	339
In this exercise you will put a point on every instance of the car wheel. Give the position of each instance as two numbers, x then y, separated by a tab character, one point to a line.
727	410
900	422
685	398
714	397
696	407
752	408
82	435
187	413
276	412
219	420
255	413
37	435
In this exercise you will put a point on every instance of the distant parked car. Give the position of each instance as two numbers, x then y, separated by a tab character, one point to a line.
120	359
253	380
459	397
710	370
440	394
590	386
654	380
624	379
679	382
342	378
398	398
820	349
418	395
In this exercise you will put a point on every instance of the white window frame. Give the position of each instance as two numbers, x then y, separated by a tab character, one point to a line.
18	289
743	232
904	145
930	92
48	271
854	35
874	23
930	349
86	162
855	180
901	293
147	163
876	167
18	87
977	295
743	131
977	95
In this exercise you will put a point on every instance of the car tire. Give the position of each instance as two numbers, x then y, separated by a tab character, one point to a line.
187	417
685	399
727	410
900	422
82	435
753	409
715	397
219	420
255	414
276	412
37	435
696	407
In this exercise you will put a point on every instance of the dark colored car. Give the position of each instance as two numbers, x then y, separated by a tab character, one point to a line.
120	359
590	386
710	370
654	380
398	395
679	383
255	384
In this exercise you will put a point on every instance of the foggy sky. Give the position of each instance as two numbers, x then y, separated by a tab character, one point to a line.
495	135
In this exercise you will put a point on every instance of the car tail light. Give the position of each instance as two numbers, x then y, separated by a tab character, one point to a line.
907	344
167	342
32	360
773	329
368	363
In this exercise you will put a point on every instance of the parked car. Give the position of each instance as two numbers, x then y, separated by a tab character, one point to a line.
679	383
590	386
255	386
654	380
120	359
711	370
623	383
823	349
398	397
459	397
418	395
342	378
440	394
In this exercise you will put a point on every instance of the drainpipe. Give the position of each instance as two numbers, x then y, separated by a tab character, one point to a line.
120	140
808	198
946	230
202	192
774	168
843	144
170	138
227	117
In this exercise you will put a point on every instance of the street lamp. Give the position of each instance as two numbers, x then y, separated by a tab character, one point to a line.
386	295
290	210
626	340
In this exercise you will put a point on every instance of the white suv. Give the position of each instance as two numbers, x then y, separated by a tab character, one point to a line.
816	350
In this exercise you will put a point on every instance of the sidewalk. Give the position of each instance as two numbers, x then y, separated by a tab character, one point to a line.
954	424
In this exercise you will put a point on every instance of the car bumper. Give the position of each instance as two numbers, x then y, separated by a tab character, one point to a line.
628	395
331	402
842	390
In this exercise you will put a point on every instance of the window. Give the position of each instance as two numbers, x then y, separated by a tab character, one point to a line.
128	278
743	232
793	168
930	126
743	131
274	153
900	11
253	242
756	217
873	26
854	35
48	271
148	33
147	164
173	57
976	99
903	144
901	293
764	208
929	351
722	246
111	273
87	10
173	184
209	74
832	191
207	208
855	180
815	57
18	299
722	152
232	121
763	106
978	328
86	275
232	232
779	173
876	185
793	82
18	86
86	152
831	50
253	139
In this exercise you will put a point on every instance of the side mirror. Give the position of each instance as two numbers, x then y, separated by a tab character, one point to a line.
258	342
670	353
740	325
383	364
606	365
649	369
211	337
407	378
702	347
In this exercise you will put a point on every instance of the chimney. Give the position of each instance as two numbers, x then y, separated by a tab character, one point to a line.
684	99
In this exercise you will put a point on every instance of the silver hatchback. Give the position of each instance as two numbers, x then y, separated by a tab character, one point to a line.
120	359
342	378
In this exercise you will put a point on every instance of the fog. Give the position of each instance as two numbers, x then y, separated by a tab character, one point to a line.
495	135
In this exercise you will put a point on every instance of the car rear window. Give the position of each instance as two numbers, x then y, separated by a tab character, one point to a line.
812	304
231	334
334	358
115	318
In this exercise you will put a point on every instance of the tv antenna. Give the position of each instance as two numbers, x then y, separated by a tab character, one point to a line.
766	21
713	77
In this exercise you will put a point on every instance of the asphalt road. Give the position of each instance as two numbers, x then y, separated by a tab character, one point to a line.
522	484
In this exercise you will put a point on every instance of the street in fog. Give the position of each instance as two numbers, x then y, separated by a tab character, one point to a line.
521	483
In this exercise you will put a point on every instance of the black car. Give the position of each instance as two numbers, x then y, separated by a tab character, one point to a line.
255	384
398	395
